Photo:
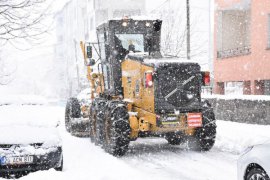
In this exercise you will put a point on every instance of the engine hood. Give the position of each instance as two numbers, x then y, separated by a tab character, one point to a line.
24	135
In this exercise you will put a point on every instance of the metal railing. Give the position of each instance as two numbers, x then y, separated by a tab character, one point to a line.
240	51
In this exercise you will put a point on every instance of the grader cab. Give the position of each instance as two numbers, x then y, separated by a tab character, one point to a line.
139	93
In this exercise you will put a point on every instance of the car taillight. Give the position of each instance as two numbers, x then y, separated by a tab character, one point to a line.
148	79
206	78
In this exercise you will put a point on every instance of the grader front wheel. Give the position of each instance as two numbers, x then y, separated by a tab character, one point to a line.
117	130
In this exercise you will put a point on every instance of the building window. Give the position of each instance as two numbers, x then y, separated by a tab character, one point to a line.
262	87
267	87
234	88
259	87
233	33
247	88
220	88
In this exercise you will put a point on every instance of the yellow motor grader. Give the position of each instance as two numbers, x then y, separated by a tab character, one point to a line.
139	93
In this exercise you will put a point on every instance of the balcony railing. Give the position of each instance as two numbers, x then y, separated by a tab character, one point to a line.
241	51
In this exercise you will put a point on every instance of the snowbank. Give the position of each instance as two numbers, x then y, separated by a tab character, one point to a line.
235	137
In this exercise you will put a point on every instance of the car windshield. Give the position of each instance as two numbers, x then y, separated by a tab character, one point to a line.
131	42
31	111
28	115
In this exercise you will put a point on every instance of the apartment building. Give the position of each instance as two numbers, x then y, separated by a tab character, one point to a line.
242	47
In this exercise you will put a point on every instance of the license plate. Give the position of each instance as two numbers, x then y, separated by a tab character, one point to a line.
194	119
17	160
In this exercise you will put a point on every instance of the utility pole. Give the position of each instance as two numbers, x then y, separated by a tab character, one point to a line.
188	30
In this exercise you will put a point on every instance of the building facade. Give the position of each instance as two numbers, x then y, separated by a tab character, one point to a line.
242	47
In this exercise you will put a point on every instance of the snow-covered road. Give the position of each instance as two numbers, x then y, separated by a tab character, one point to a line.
153	158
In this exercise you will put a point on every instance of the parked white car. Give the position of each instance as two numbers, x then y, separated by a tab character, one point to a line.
29	139
254	163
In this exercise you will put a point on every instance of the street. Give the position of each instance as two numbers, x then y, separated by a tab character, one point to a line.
154	158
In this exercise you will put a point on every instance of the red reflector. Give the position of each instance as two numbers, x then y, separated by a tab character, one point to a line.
148	79
194	119
206	78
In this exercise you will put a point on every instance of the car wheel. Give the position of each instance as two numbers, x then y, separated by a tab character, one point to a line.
257	174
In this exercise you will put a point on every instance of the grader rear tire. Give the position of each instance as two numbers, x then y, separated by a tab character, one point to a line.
72	110
117	129
204	138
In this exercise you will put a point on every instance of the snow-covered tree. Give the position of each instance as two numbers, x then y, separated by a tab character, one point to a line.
22	23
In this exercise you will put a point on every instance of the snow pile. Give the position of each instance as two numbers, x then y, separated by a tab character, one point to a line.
29	124
242	97
153	158
236	137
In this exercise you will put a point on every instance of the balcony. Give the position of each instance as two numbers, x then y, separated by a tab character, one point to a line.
241	51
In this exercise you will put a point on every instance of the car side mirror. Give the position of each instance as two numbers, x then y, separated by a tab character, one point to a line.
90	62
157	25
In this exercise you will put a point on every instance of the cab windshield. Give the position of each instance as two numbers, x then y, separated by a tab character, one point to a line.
130	42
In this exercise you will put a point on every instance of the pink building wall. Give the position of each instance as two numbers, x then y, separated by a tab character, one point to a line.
254	66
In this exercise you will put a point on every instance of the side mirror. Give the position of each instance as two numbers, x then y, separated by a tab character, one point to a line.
90	62
89	52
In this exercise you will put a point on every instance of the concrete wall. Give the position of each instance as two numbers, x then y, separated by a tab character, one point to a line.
240	110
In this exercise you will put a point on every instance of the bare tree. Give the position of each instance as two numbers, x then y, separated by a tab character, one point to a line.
174	33
7	70
22	19
21	22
